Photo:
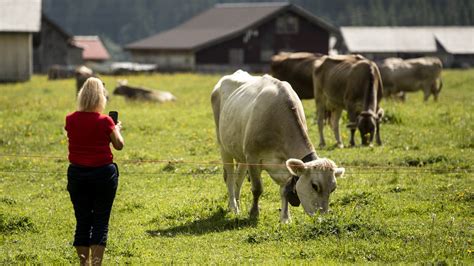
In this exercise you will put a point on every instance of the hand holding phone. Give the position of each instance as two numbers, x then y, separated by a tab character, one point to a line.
114	116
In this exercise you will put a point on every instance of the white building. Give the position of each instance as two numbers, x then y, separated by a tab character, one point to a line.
454	45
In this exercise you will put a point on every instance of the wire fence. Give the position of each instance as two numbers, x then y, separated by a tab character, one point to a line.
172	167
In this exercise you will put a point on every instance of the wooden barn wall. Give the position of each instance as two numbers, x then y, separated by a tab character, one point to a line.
15	57
310	38
165	60
51	47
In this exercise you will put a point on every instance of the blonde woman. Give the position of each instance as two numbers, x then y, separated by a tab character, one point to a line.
92	175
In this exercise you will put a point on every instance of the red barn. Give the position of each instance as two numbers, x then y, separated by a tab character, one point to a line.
93	49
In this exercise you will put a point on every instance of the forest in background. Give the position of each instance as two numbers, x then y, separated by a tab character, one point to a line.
119	22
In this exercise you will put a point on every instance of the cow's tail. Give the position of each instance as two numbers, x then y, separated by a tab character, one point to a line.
216	108
377	76
370	92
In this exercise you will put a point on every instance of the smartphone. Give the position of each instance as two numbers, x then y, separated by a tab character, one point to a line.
114	116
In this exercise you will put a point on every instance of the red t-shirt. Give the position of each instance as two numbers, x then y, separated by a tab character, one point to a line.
89	138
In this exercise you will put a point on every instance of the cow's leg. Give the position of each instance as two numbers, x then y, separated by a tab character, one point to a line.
279	175
377	132
352	142
352	115
435	89
402	96
229	178
335	116
285	212
241	170
257	188
426	92
321	113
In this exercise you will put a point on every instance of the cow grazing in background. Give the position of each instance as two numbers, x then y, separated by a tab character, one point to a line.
60	72
353	83
296	69
260	125
400	76
142	94
82	73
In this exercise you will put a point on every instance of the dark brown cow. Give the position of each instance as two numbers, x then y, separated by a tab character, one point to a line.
353	83
296	69
60	72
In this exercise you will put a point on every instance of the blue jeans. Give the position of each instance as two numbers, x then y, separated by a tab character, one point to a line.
92	191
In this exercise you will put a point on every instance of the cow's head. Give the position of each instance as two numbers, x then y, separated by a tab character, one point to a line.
121	88
367	122
316	180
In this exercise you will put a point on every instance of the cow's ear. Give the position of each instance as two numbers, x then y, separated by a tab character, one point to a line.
339	172
380	113
295	166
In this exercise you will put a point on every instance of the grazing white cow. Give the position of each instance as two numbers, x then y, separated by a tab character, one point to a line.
260	125
409	75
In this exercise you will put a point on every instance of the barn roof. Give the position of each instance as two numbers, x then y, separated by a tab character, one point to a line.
93	47
221	22
20	15
455	40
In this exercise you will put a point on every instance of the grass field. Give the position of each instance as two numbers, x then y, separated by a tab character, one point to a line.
408	201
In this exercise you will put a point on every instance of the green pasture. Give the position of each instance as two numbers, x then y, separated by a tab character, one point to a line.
408	201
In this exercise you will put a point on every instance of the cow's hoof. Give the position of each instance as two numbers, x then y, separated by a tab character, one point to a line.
285	220
340	145
234	208
322	145
254	212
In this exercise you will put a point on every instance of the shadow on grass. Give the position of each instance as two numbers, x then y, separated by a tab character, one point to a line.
216	222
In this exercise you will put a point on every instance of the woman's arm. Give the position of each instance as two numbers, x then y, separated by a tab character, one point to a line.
116	137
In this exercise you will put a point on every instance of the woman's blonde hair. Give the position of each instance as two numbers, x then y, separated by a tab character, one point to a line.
92	96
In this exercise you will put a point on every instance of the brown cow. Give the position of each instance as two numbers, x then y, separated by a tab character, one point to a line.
353	83
60	72
400	76
296	69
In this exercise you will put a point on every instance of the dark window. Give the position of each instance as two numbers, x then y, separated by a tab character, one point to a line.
287	25
236	56
266	55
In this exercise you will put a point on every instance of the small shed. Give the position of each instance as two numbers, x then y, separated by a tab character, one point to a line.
93	48
229	36
454	45
54	46
19	19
